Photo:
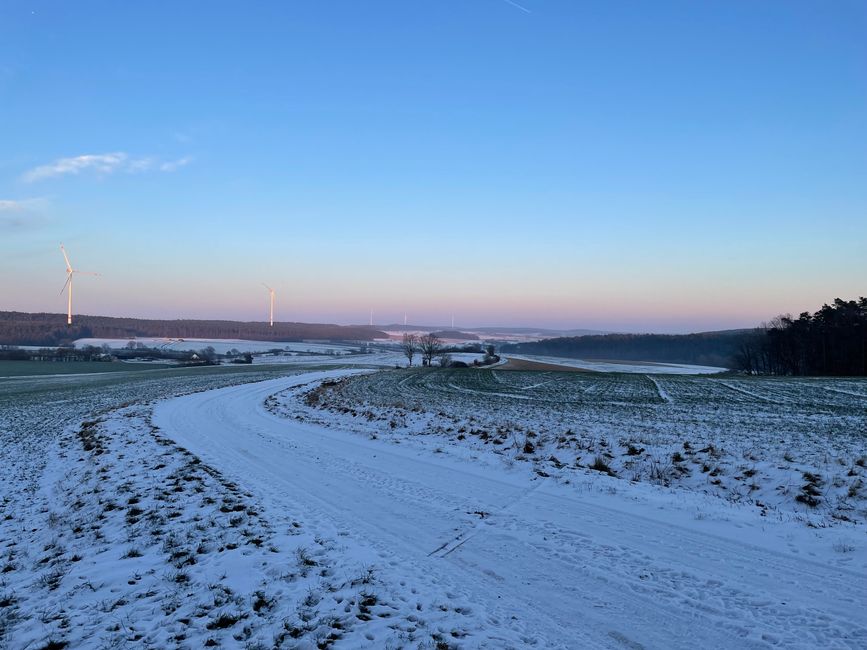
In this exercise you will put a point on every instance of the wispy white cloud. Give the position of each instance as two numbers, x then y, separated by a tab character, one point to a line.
173	165
106	163
101	165
136	165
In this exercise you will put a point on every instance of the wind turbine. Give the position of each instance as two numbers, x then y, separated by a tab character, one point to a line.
271	293
68	285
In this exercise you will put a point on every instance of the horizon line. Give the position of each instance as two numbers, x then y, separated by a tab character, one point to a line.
382	327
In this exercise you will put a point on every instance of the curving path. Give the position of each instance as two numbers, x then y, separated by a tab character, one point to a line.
534	556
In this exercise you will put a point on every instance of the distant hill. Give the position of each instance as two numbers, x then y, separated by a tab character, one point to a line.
456	335
536	331
492	332
395	327
705	348
21	328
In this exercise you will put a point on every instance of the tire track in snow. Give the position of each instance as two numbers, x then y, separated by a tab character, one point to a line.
845	392
743	391
459	540
663	395
539	385
470	391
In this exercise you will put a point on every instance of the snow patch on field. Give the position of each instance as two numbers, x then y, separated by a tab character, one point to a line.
373	359
221	346
663	394
623	366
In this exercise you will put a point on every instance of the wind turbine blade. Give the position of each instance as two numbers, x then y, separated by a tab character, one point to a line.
63	250
267	287
68	280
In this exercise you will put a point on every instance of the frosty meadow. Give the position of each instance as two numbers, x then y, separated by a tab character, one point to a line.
337	501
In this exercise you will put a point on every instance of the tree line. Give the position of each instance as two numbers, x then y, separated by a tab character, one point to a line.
705	349
133	350
831	341
21	328
429	345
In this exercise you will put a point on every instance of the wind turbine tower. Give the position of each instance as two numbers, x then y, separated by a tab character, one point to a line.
271	313
68	285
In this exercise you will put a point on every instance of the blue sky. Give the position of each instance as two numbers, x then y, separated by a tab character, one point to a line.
644	166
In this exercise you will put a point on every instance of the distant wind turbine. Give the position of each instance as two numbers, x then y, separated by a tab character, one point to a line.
271	293
68	285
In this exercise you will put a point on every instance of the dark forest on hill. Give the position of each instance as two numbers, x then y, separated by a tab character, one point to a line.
20	328
831	341
708	349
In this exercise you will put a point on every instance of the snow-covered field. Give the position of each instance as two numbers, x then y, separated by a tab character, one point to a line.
222	346
292	506
379	358
466	357
793	448
623	366
77	463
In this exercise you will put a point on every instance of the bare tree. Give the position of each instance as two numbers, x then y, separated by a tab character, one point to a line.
409	346
429	344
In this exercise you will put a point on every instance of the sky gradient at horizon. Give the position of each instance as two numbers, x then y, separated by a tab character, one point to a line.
631	166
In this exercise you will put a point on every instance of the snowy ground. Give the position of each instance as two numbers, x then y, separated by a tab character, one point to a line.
113	535
378	358
793	448
221	346
518	559
189	508
639	367
466	357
